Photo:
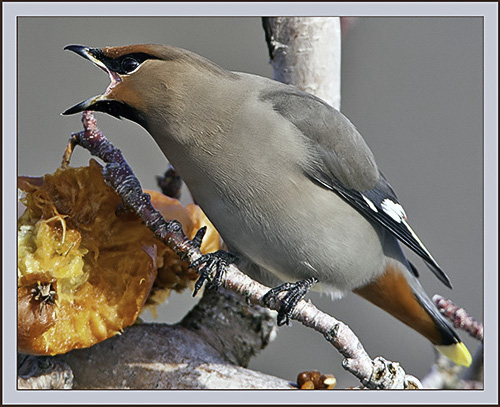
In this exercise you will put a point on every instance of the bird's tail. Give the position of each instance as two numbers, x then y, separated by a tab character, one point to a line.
399	293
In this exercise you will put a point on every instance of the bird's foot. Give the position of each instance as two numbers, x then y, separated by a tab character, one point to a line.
213	265
294	293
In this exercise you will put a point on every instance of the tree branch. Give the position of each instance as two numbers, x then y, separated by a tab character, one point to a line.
305	52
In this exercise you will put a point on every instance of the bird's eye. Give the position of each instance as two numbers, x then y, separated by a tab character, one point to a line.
129	64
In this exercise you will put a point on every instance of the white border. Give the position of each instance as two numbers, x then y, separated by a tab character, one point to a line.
12	10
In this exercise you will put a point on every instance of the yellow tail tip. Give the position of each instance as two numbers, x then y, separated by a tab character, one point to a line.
457	352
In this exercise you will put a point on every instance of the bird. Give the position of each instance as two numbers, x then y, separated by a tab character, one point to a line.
287	180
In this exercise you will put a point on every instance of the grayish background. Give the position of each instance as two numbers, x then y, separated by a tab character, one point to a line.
412	86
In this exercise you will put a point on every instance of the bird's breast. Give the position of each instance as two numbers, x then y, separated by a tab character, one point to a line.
248	178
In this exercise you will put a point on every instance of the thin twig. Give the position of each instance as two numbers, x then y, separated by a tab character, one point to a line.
459	317
374	374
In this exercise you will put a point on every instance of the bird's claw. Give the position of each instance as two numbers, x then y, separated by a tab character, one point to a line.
197	239
294	293
211	267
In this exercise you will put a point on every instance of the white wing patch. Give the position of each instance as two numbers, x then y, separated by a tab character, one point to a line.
370	204
394	210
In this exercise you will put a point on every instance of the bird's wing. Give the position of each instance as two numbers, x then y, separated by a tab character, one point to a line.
341	161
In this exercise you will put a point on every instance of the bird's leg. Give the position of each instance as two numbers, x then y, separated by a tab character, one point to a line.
294	293
213	266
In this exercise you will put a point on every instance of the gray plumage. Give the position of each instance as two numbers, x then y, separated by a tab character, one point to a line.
287	180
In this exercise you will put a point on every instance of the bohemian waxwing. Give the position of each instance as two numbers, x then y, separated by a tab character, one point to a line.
286	179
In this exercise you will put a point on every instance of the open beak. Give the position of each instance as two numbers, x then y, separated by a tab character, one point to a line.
92	54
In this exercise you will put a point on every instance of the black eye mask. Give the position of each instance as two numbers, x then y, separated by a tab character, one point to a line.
123	65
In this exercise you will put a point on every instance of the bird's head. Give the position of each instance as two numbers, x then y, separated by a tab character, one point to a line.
146	80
